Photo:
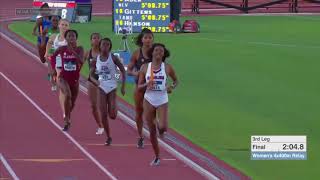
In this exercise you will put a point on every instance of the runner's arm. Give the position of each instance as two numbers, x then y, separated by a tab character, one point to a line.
86	56
121	67
141	80
49	45
93	75
54	56
133	61
171	72
35	27
116	60
79	54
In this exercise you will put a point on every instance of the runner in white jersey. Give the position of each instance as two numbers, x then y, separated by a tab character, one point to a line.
153	77
59	41
106	71
105	66
56	41
157	94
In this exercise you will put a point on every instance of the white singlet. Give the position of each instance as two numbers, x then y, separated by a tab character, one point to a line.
55	46
57	43
106	72
157	95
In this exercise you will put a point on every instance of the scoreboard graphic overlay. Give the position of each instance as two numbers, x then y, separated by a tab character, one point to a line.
278	147
72	10
134	15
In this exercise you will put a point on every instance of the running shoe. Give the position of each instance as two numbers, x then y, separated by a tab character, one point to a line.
100	131
109	141
140	143
155	162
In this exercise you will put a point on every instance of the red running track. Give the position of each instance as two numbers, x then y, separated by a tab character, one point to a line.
122	160
36	149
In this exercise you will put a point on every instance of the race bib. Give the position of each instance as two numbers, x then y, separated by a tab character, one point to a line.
58	61
70	66
105	77
156	86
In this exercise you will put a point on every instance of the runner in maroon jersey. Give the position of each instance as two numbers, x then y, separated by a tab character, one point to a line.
69	59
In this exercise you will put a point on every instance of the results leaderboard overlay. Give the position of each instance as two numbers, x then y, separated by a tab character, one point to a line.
278	147
134	15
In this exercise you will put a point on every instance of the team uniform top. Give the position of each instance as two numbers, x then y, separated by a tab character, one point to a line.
90	59
141	60
157	95
51	32
70	65
106	72
57	43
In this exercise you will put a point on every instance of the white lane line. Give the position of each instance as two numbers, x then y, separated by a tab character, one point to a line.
101	167
8	167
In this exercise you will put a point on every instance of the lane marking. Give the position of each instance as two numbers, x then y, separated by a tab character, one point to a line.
8	167
169	159
116	145
48	160
108	173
